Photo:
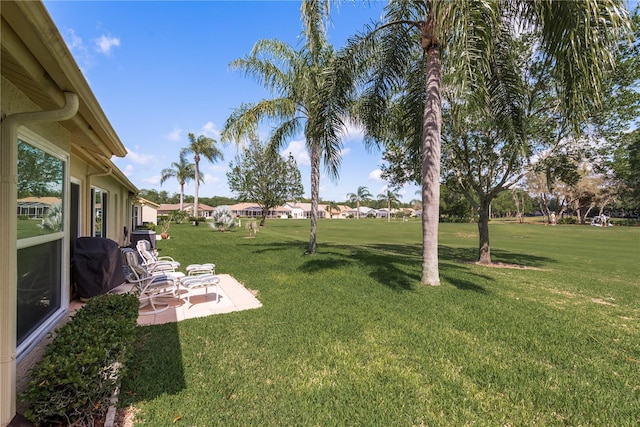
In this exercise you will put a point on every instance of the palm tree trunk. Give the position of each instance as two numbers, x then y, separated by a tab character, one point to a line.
431	168
195	197
181	197
315	194
389	211
484	250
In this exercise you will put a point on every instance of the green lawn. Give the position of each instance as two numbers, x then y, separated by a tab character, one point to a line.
349	336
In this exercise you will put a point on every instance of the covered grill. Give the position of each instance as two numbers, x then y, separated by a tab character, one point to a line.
97	266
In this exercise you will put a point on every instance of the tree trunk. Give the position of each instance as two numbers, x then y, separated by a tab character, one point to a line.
315	194
431	167
484	250
195	198
389	211
265	211
181	197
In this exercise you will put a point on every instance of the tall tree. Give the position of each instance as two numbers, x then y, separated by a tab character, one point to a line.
361	194
391	198
183	171
264	177
202	146
432	40
303	101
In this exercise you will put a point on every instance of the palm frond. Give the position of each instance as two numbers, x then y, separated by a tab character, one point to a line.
579	41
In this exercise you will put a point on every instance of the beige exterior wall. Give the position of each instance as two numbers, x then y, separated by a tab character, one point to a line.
38	75
149	214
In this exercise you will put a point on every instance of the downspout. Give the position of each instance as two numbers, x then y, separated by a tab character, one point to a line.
8	253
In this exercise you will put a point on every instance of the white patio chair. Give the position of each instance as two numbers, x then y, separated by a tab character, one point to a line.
150	286
198	281
195	269
152	262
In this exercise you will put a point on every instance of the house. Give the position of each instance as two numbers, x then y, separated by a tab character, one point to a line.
364	212
338	211
52	123
144	211
303	210
253	210
203	210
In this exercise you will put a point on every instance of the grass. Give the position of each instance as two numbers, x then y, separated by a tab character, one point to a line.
349	337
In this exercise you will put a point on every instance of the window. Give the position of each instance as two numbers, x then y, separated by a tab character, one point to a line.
99	212
42	173
134	217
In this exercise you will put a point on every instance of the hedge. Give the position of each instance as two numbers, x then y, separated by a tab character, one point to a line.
82	366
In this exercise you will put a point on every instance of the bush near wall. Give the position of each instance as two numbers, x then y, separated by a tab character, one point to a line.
82	366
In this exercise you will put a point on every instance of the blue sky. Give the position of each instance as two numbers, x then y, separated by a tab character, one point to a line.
160	70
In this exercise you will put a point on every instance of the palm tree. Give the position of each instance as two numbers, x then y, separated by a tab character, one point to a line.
403	63
183	171
361	194
303	101
391	197
202	146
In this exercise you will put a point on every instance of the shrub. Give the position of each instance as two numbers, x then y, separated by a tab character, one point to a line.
82	366
568	220
223	218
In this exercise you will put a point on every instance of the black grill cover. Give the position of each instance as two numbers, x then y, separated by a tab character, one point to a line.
97	266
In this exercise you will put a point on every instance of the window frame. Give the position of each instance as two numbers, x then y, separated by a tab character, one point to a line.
38	333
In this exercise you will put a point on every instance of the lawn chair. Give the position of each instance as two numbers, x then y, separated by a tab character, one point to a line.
152	262
151	286
200	276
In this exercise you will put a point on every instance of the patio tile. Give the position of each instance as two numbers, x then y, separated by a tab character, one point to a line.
232	297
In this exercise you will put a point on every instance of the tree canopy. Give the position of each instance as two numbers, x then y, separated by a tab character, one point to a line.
259	175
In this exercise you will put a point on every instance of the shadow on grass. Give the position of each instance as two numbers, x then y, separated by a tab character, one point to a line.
399	266
156	367
335	261
470	255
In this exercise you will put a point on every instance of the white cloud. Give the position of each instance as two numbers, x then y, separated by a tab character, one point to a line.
376	175
210	180
345	152
175	134
153	180
78	49
298	150
353	131
141	159
128	170
105	44
209	129
73	40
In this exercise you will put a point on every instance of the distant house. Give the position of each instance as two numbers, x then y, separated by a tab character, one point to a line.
364	212
253	210
303	210
144	211
203	210
342	211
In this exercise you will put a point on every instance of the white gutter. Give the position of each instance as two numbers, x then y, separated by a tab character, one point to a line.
107	172
8	254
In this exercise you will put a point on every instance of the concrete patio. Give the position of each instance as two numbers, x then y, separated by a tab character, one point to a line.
233	296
